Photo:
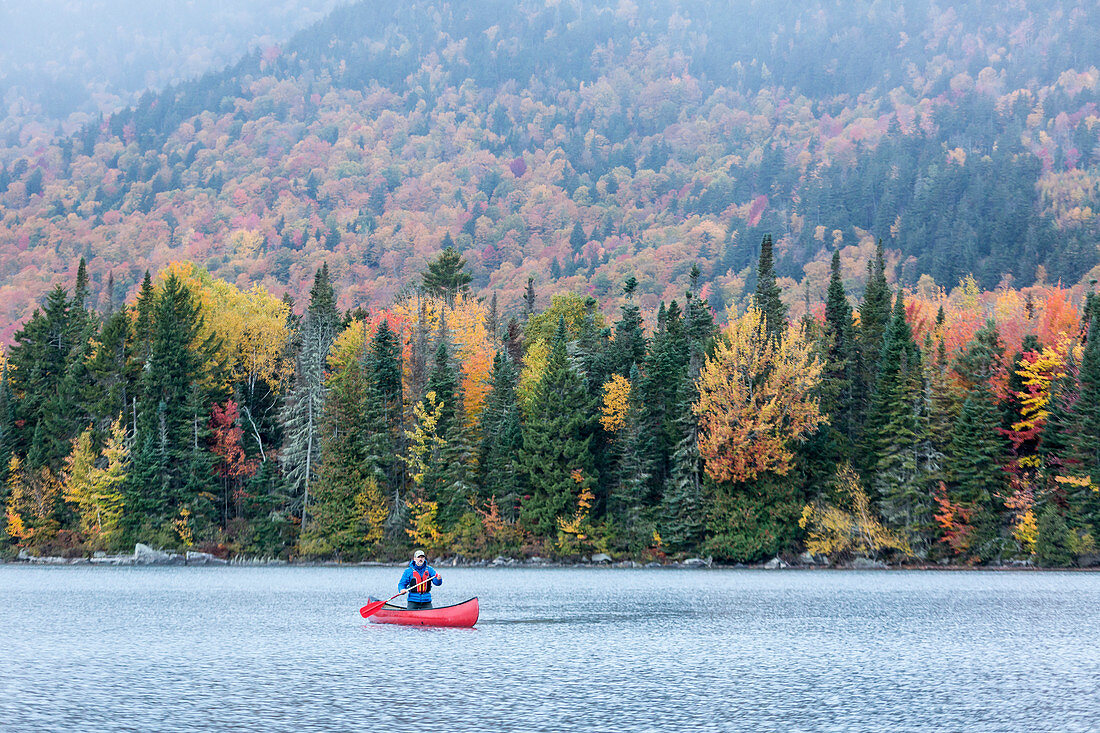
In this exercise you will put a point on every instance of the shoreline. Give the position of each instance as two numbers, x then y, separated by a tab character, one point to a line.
156	558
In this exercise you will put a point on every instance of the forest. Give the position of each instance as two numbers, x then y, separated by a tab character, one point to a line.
582	143
912	425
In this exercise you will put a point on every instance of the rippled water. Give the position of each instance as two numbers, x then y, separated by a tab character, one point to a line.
281	648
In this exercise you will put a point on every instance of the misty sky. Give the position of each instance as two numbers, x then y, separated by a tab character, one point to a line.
58	57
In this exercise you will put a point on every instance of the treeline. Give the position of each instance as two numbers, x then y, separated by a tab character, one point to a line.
916	426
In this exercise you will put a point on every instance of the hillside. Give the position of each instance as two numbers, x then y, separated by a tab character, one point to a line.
579	142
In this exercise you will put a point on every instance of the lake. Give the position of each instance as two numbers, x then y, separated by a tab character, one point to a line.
603	649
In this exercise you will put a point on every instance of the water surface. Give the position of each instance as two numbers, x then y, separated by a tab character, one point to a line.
283	648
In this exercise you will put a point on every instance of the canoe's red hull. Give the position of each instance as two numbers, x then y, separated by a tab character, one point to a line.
462	615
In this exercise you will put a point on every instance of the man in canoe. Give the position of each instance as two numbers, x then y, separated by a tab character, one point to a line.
419	577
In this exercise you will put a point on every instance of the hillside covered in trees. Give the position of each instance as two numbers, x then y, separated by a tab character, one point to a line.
585	142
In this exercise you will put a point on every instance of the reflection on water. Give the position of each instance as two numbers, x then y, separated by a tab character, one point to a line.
280	648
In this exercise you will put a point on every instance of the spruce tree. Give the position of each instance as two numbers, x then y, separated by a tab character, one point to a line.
658	390
767	297
976	454
577	238
112	374
903	457
874	315
556	458
629	347
7	422
1083	454
174	404
42	359
502	439
143	320
305	402
385	406
446	275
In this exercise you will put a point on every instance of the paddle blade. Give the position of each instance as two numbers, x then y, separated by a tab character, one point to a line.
371	608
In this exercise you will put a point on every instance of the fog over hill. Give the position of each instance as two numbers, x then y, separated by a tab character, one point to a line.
63	60
581	142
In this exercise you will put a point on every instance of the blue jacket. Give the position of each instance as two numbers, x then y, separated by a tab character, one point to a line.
407	580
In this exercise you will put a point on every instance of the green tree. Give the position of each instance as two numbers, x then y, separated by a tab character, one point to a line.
446	275
174	411
502	439
898	421
767	296
629	346
305	402
555	456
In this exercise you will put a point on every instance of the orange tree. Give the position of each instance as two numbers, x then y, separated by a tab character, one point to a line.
756	398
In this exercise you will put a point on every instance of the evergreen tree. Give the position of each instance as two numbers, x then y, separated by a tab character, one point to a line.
628	495
658	391
502	439
305	403
143	321
41	359
629	347
385	406
874	315
767	297
7	422
1083	454
976	454
841	363
556	458
112	374
345	466
174	408
529	299
577	238
80	290
446	275
904	460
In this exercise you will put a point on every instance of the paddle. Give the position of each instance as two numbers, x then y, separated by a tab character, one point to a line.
375	606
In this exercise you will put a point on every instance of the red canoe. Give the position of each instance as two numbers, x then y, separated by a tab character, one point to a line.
461	614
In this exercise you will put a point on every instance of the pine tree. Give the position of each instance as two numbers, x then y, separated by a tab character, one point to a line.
42	359
112	373
143	321
446	275
502	439
174	404
556	457
629	347
305	403
577	238
767	297
975	457
1083	454
903	457
385	405
874	315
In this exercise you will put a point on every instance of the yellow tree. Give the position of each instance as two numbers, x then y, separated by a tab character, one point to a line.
97	492
250	326
616	403
854	529
32	504
755	399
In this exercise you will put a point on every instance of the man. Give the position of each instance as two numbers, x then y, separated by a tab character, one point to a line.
420	577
